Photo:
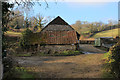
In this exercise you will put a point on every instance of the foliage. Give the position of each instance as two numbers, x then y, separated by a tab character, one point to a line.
23	73
55	53
17	20
9	65
5	19
26	23
87	28
22	55
37	22
113	60
68	53
17	72
25	39
6	11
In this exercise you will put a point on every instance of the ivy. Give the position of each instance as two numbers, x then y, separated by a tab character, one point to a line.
113	60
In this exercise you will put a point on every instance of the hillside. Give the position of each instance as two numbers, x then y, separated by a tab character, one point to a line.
108	33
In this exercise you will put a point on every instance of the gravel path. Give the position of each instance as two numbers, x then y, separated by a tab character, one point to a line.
90	49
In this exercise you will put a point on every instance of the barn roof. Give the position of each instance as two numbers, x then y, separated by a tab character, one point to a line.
59	32
58	24
59	21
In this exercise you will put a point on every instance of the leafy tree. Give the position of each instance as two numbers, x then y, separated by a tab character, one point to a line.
5	19
6	11
77	25
38	22
26	25
25	40
17	20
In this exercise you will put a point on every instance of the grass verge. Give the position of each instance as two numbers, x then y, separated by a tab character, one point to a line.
11	33
21	72
106	66
64	53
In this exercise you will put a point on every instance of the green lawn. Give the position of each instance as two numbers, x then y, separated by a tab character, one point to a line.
108	33
11	33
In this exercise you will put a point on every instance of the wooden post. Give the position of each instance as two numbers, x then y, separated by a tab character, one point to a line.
38	47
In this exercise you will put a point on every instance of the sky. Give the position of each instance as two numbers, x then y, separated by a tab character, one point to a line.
73	11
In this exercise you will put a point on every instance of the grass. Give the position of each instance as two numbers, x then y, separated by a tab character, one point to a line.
64	53
23	73
18	73
106	72
69	53
11	33
108	33
106	75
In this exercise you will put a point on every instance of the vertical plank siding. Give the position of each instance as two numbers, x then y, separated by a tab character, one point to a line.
60	37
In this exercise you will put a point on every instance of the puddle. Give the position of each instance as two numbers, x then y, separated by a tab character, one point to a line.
89	52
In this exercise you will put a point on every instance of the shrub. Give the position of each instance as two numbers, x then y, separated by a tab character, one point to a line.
25	40
9	68
69	53
113	60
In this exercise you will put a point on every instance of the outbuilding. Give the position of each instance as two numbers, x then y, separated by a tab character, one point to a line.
59	36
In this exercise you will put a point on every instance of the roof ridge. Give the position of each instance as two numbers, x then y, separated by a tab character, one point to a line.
57	21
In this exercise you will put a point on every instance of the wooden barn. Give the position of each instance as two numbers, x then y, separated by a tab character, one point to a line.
59	36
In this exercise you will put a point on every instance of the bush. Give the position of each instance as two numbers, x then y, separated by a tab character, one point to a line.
113	60
69	53
25	40
9	68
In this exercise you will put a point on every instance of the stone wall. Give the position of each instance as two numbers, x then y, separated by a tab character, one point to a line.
56	48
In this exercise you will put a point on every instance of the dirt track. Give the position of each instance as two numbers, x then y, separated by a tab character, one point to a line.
90	49
81	66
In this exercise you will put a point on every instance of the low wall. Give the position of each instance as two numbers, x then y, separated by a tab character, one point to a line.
57	48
